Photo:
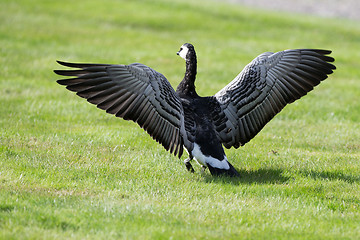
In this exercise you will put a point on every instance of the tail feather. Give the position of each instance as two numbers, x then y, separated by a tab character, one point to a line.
220	171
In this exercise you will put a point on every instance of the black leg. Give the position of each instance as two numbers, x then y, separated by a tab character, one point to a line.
188	165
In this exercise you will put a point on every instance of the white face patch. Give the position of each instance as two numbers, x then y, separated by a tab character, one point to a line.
183	52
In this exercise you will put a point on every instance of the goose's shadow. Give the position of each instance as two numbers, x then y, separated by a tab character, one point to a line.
277	176
331	175
259	176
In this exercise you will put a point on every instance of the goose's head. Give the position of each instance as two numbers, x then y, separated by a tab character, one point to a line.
186	51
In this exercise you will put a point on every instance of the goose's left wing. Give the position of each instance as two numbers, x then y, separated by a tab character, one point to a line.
264	88
133	92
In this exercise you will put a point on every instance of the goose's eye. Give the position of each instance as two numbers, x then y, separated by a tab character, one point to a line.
181	49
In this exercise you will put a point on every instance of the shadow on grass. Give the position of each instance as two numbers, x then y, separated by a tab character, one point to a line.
329	175
276	176
259	176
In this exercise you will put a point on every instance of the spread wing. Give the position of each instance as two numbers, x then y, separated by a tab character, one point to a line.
133	92
264	88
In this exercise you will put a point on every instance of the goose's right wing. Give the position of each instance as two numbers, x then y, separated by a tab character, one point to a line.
133	92
264	88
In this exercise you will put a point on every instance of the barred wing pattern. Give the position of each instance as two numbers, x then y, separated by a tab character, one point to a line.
132	92
265	87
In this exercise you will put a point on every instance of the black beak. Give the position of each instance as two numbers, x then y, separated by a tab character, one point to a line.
177	53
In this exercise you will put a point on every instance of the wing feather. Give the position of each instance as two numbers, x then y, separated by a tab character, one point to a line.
133	92
265	87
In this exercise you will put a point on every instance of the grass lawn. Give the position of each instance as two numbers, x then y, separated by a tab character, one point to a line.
68	170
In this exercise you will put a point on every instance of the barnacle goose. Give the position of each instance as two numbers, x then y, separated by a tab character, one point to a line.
202	125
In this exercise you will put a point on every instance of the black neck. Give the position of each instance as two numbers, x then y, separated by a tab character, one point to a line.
187	85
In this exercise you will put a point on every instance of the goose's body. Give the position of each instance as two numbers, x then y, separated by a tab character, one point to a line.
202	125
205	145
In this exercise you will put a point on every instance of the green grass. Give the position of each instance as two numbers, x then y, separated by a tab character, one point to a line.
68	170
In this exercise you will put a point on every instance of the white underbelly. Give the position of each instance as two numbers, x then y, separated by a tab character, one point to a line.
208	160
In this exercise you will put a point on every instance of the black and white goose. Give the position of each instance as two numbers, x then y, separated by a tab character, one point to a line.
202	125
